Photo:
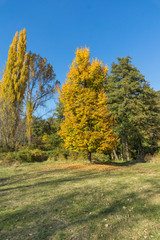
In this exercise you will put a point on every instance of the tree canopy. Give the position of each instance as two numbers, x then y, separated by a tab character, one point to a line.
12	87
134	104
88	124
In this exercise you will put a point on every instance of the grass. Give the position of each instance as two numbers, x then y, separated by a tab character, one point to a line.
63	201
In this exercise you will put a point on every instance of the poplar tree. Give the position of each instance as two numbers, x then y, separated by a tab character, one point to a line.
12	87
87	124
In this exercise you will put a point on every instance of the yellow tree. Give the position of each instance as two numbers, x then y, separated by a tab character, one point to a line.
13	86
87	124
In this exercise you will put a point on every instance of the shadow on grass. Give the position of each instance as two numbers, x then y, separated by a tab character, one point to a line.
27	176
125	163
78	212
53	183
55	219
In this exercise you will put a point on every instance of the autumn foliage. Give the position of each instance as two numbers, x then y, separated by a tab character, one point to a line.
28	82
87	125
116	114
13	86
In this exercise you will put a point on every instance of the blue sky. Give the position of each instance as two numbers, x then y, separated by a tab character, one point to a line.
111	28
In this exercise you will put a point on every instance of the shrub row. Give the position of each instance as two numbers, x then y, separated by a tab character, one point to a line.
26	155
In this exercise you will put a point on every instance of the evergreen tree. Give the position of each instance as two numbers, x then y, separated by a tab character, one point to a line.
87	124
135	108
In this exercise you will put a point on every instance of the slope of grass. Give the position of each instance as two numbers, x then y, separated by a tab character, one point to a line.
77	201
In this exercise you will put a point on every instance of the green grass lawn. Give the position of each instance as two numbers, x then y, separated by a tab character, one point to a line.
76	201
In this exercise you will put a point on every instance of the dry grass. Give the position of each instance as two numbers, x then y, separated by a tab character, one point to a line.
79	167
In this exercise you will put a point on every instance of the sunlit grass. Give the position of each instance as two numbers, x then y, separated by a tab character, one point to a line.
79	201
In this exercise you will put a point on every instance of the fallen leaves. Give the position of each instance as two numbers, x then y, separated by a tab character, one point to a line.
79	166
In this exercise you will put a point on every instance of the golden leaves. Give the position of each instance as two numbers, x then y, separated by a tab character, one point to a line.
15	75
13	84
87	124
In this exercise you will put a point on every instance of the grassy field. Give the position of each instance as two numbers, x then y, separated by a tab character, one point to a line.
76	201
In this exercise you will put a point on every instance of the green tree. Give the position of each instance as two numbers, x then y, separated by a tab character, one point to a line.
87	124
58	114
135	108
50	138
44	134
12	88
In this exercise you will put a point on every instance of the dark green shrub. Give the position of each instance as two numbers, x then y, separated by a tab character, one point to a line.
58	153
101	158
38	155
53	154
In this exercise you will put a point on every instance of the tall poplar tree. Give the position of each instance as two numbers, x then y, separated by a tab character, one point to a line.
12	87
87	124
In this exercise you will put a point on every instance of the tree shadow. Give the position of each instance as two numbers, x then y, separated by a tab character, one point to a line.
45	224
118	164
58	216
53	183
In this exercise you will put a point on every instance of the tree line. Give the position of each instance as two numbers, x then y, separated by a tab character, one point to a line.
114	113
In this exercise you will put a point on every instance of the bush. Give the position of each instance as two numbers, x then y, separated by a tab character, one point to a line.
155	158
27	155
101	158
148	158
54	154
58	153
38	155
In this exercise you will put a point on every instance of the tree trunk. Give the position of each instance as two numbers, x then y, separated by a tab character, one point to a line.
127	150
112	156
140	151
121	149
89	157
29	134
115	154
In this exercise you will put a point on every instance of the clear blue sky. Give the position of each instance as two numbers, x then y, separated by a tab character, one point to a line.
111	28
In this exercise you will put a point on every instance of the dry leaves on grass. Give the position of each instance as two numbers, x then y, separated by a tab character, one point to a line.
79	166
